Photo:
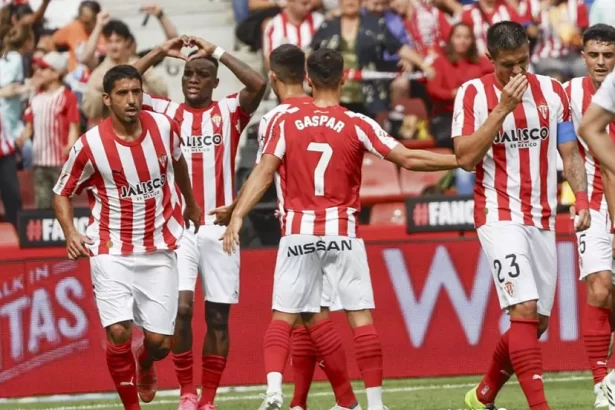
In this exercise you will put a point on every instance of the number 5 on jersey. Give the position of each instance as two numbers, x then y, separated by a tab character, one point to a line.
319	173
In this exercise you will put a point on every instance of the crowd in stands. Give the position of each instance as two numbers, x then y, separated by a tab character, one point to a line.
51	78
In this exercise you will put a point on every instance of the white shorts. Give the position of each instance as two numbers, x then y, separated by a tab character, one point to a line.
141	288
305	262
595	245
523	261
202	252
329	298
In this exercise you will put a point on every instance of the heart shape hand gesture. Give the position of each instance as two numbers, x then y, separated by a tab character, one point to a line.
173	47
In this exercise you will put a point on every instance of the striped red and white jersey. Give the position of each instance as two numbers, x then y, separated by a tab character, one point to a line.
323	149
529	11
549	43
605	96
7	146
210	137
280	30
480	21
51	114
517	179
581	90
429	27
135	203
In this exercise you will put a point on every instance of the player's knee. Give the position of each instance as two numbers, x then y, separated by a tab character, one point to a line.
158	345
184	311
217	316
525	310
599	289
119	333
358	318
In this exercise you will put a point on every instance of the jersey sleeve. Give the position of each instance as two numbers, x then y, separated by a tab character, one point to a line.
373	137
72	108
155	103
176	141
77	171
464	114
239	117
564	111
605	96
27	115
264	130
276	139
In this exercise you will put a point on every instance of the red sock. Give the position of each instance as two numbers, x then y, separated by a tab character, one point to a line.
499	372
329	346
213	366
303	362
121	364
369	355
183	370
597	337
526	359
277	345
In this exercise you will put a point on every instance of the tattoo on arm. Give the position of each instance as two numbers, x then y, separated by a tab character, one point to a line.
575	174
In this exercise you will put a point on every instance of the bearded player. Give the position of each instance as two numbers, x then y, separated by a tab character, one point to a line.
210	132
595	244
130	165
319	192
509	126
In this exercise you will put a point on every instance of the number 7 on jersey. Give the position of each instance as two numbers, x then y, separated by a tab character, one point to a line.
319	173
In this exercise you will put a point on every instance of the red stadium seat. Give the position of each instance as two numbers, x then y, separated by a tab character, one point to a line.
414	183
380	180
8	236
393	213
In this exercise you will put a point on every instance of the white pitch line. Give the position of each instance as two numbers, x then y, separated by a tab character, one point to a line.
318	394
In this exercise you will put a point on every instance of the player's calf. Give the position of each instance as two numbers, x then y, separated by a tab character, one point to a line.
155	347
182	351
121	363
215	350
525	354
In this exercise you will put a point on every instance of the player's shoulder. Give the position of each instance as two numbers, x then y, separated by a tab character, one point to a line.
609	82
546	82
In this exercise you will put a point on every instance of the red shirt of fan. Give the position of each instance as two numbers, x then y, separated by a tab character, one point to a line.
322	150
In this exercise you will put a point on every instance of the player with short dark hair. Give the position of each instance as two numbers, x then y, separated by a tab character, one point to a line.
210	132
325	144
130	165
509	126
595	244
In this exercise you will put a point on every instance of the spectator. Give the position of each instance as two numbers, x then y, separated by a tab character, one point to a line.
250	30
362	40
296	25
458	63
483	14
429	26
15	14
602	11
19	41
119	43
75	35
9	183
53	119
558	52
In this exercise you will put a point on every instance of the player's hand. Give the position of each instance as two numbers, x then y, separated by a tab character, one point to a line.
152	9
582	219
223	215
173	47
103	18
75	245
205	48
193	214
513	92
405	66
230	239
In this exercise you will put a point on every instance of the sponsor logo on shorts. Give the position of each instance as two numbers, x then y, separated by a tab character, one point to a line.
307	248
510	288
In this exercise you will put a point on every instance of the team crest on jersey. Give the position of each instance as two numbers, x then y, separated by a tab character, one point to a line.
544	110
217	120
162	159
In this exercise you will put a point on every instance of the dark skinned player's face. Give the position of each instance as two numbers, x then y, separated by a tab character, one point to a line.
199	80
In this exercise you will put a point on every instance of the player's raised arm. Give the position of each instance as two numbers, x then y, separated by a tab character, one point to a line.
378	142
599	115
255	84
75	176
170	48
472	142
